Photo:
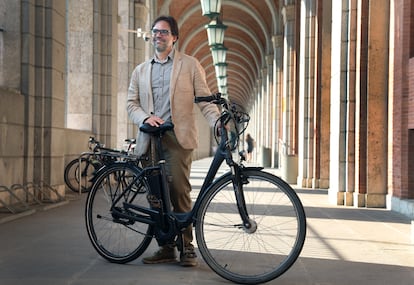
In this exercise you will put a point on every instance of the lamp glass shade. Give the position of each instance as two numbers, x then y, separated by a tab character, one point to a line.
222	80
215	32
219	53
223	89
211	8
221	69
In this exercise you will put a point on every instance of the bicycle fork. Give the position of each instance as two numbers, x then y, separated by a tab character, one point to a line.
239	180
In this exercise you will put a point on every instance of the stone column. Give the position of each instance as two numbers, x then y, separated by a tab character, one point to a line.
79	61
343	88
254	126
322	99
306	93
43	85
338	127
129	20
10	44
270	106
269	99
13	132
277	91
361	103
377	88
123	70
259	119
138	49
104	73
265	103
289	151
266	94
351	102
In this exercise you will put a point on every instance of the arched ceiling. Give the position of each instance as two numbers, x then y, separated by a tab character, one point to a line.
248	38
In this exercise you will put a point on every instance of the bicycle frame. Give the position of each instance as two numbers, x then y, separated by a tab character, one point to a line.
164	217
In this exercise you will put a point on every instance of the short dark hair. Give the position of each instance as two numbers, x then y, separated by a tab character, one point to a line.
171	21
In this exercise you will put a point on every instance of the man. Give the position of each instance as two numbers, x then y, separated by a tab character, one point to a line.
163	89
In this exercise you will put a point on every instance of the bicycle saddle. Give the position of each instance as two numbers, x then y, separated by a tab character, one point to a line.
146	128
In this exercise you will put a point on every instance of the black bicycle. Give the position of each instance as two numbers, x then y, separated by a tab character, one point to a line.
250	225
79	172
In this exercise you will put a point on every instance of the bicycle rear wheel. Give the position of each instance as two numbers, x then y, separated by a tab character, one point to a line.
251	256
73	177
117	239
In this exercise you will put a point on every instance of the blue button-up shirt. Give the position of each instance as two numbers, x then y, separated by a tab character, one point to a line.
160	82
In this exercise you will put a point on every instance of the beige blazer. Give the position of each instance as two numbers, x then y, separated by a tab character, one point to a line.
187	80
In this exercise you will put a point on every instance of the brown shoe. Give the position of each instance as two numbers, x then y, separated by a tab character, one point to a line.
188	257
166	254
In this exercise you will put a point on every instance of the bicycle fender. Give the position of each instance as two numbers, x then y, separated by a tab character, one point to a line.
226	176
228	173
259	168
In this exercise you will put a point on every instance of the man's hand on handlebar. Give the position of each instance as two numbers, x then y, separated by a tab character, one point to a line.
154	121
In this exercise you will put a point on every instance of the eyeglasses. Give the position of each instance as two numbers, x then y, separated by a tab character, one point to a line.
162	32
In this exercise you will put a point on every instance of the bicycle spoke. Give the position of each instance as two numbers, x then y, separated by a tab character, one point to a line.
116	238
251	255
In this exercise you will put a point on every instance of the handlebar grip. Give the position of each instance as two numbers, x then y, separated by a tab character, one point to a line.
210	98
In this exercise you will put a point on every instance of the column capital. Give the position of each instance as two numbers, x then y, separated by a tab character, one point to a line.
264	72
269	59
277	41
288	13
258	82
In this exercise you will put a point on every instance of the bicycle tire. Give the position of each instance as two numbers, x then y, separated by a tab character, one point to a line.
265	254
117	239
71	174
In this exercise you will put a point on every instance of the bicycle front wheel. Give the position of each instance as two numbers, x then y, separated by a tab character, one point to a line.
259	254
117	239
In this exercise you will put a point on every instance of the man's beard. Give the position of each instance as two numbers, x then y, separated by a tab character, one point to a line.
160	47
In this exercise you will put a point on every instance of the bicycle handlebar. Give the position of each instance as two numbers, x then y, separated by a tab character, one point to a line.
101	147
230	112
213	98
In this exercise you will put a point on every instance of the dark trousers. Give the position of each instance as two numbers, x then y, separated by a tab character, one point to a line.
178	165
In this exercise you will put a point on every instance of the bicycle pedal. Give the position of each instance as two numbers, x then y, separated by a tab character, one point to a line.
125	222
121	217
